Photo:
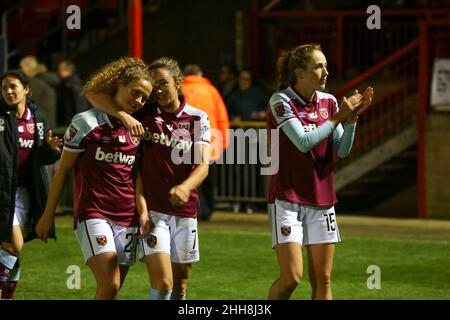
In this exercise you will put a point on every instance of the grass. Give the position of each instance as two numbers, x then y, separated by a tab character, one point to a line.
237	262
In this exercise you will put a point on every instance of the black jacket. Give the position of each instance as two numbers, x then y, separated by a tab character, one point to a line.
37	186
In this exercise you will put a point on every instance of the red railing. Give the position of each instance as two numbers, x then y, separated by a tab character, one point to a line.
395	103
349	45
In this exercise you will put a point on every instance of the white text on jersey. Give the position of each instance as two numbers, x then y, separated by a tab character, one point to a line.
28	144
116	157
163	139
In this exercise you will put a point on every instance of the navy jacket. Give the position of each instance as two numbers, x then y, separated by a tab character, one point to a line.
37	186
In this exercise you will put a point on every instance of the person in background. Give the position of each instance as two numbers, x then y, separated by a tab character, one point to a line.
199	92
44	84
70	100
250	101
228	82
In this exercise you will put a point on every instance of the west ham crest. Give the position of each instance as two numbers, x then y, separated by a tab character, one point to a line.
134	139
323	113
184	126
30	128
152	241
102	240
285	231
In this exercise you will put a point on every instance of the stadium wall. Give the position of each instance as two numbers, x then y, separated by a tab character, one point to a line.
437	167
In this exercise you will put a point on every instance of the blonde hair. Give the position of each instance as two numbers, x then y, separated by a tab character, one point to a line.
124	70
296	58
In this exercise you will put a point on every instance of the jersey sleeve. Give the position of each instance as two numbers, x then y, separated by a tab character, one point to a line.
280	108
76	137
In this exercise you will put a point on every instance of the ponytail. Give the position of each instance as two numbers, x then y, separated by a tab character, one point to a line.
283	71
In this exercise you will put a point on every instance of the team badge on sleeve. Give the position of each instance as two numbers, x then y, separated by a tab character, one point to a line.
323	113
152	241
286	231
279	109
71	132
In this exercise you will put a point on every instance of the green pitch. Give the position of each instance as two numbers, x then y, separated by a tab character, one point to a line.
237	262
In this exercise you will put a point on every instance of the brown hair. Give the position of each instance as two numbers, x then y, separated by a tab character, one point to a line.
125	70
170	65
296	58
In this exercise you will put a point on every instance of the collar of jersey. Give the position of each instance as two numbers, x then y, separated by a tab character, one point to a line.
302	99
179	111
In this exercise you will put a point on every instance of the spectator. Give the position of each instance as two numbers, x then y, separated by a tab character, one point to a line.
70	101
200	93
228	82
43	84
250	101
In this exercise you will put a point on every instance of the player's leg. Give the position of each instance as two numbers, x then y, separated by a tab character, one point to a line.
311	274
291	271
287	234
9	263
97	244
9	255
321	262
181	272
159	271
321	233
184	252
107	275
155	251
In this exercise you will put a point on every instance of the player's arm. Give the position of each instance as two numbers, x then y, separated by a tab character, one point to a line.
104	102
145	222
343	139
180	194
46	222
293	128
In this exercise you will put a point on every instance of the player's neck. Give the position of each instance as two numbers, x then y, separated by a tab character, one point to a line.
305	92
171	106
20	110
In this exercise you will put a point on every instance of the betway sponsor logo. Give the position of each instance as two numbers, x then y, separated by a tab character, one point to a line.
26	144
169	141
116	157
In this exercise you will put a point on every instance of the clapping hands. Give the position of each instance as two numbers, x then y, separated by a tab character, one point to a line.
356	104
